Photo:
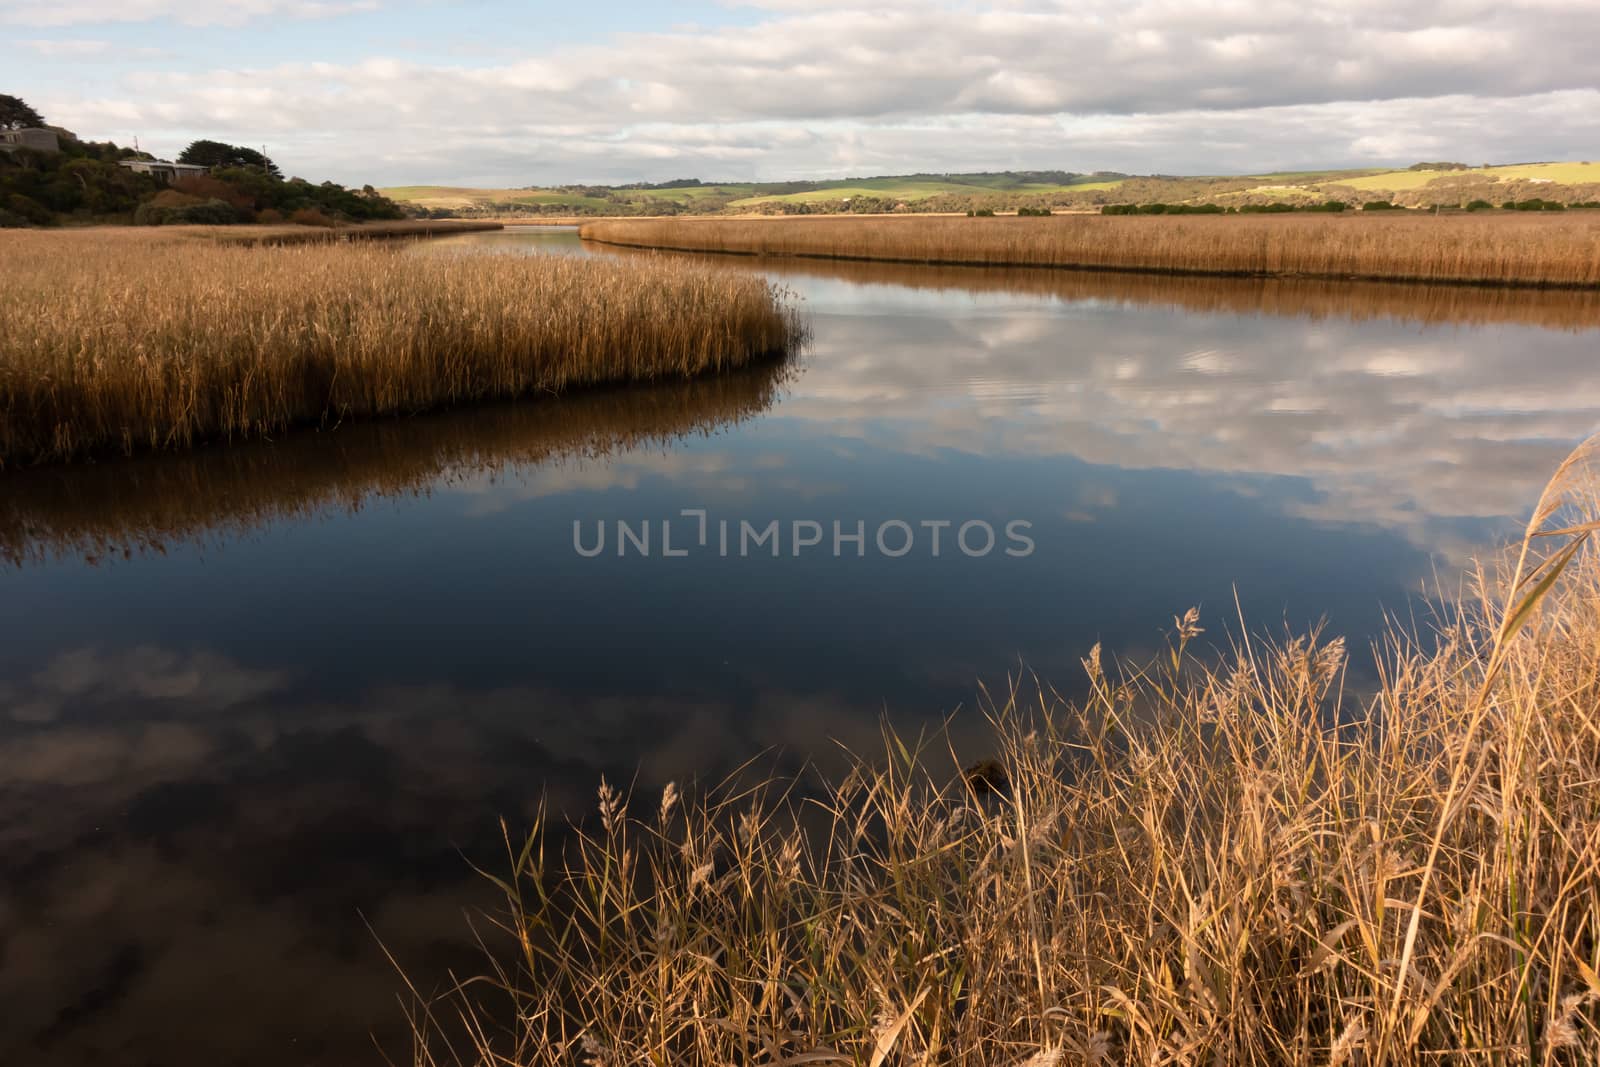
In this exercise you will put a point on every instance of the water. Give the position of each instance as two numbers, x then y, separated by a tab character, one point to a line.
250	697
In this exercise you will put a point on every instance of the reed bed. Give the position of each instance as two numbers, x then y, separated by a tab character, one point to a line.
124	343
1570	310
1457	249
366	231
1205	859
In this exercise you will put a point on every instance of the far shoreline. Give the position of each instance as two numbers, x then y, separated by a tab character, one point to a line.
1519	255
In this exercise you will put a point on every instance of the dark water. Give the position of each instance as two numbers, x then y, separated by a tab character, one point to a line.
250	697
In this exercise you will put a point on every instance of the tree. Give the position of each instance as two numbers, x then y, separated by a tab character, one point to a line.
217	154
15	114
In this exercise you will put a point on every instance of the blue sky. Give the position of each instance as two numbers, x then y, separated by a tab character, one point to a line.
489	92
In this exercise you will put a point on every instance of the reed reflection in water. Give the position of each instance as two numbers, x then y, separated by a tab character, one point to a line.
149	503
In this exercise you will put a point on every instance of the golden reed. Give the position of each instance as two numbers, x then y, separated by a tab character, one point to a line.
1518	250
1201	858
118	341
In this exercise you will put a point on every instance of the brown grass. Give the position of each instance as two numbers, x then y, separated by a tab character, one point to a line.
302	233
125	343
1559	251
1557	309
1204	860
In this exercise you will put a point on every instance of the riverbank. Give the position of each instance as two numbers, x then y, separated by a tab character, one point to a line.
367	231
1556	252
130	340
1208	858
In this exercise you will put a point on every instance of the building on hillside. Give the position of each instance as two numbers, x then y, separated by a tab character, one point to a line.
35	139
163	171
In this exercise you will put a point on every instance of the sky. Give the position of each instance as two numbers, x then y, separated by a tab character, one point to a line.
507	93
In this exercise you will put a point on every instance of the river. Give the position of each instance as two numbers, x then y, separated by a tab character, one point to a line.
256	700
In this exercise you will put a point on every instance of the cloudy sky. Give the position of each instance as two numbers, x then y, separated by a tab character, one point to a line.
519	92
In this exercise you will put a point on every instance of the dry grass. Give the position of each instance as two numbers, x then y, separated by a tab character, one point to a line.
125	342
1203	860
1561	251
290	234
1573	310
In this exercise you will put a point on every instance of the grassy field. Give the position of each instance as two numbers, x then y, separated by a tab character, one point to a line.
1558	250
912	190
462	197
1005	190
128	340
1400	181
457	197
735	196
1211	857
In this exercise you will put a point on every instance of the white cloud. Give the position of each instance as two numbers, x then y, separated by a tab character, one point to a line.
187	12
1154	85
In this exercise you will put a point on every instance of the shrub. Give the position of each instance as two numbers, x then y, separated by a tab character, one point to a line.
1478	205
206	187
311	216
172	198
270	215
210	213
1033	212
170	208
28	209
1381	205
982	213
1330	206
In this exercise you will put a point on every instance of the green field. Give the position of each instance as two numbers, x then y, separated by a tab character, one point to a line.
912	190
457	197
1403	180
737	195
955	192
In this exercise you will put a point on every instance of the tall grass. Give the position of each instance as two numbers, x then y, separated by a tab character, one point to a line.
1457	249
1203	860
126	343
1556	309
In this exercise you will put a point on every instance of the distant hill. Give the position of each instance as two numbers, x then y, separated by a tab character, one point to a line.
1446	184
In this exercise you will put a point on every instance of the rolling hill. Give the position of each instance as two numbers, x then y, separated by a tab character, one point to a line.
1426	184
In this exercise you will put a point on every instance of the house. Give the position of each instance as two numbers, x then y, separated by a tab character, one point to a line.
163	171
35	139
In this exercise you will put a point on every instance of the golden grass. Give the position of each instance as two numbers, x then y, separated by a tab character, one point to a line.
290	234
151	503
1573	310
125	342
1556	251
1203	860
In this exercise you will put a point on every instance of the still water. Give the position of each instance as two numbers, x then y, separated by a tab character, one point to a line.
254	699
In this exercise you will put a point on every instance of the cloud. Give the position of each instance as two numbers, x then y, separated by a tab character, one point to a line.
1096	85
186	12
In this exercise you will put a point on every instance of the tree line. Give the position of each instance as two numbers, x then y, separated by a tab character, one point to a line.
84	182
